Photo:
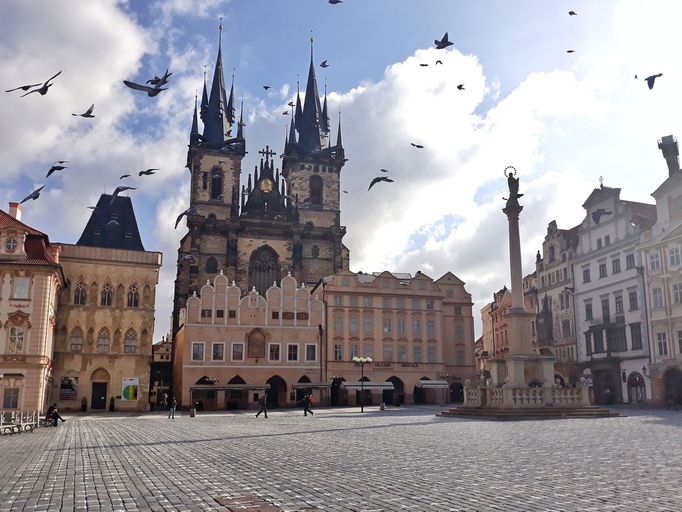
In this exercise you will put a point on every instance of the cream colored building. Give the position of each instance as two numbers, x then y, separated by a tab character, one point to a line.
418	332
232	347
30	280
105	319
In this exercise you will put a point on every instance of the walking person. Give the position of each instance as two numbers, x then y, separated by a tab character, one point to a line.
307	401
263	402
171	409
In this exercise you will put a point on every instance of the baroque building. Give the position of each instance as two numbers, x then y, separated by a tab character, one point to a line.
30	281
105	317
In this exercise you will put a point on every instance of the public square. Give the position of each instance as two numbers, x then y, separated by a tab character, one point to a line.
403	458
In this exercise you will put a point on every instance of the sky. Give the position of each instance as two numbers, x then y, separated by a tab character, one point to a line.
562	120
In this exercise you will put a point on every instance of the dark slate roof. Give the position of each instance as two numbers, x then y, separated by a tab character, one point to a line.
112	225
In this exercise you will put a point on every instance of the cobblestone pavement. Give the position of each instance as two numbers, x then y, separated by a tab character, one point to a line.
340	460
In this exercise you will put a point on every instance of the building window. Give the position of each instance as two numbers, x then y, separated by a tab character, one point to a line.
416	304
353	325
103	341
431	329
636	336
615	265
662	342
588	343
402	353
615	339
211	265
400	302
338	300
607	239
315	184
107	295
431	354
21	287
458	310
602	270
292	352
387	326
11	244
629	261
76	340
679	341
429	304
416	328
16	340
310	352
216	183
619	304
338	352
130	342
338	325
354	351
274	352
197	351
206	313
218	352
354	301
133	296
369	325
80	294
11	398
605	311
417	354
599	243
598	341
459	333
674	257
237	351
632	297
369	350
588	311
566	328
654	262
402	327
368	302
388	353
657	297
386	302
586	275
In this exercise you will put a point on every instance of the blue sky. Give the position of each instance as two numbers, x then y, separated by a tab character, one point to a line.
562	119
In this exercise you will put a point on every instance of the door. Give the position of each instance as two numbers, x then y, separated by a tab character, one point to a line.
99	395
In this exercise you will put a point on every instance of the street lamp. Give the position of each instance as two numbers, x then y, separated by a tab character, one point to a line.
361	361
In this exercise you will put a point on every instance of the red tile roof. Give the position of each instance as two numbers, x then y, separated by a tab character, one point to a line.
7	221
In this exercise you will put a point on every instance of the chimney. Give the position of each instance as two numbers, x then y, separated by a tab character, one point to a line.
15	210
668	146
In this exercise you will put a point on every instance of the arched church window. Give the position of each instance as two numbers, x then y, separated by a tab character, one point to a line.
211	265
216	183
107	298
76	340
103	341
263	269
133	296
80	294
316	190
130	342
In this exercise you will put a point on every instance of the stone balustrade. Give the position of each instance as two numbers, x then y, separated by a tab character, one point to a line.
524	397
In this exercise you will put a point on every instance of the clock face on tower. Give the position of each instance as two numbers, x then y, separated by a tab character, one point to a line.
266	185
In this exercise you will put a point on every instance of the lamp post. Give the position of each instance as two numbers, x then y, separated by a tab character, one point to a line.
361	361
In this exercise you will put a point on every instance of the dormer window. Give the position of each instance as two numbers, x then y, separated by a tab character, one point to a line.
11	244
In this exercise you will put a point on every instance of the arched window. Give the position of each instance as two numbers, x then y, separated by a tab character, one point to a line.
76	340
16	340
103	341
211	265
130	342
551	254
263	269
216	183
133	296
80	294
107	295
315	190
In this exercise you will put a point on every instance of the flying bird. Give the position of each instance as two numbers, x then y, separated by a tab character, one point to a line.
23	87
345	191
334	2
443	43
42	90
570	51
572	13
636	77
189	211
87	113
124	176
158	81
117	191
285	113
266	87
291	104
148	172
460	87
92	207
418	146
439	61
324	64
383	170
33	195
55	168
651	79
61	161
378	179
598	213
423	65
151	91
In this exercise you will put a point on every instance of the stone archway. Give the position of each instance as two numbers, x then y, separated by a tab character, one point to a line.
456	392
420	393
395	396
100	382
338	396
277	395
672	383
236	398
301	392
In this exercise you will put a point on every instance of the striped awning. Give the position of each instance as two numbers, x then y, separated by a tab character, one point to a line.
433	384
229	387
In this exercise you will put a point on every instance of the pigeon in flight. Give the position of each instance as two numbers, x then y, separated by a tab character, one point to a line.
383	170
345	191
418	146
55	168
334	2
42	90
291	104
651	79
33	195
636	77
460	87
148	172
285	113
117	191
23	87
598	213
324	64
189	211
570	51
87	113
266	87
92	207
158	81
439	61
423	65
151	91
378	179
124	176
61	161
572	13
443	43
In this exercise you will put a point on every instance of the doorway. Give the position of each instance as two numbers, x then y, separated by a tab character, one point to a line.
99	395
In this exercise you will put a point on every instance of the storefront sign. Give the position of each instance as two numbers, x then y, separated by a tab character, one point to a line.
130	388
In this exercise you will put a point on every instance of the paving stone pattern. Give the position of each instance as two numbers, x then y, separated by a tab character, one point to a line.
402	459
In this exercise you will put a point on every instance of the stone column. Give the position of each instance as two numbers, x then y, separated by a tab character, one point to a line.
512	210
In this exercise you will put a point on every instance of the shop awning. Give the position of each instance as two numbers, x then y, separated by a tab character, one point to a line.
229	387
433	384
371	386
311	385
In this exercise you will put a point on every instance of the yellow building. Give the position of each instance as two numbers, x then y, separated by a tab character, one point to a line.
30	280
105	319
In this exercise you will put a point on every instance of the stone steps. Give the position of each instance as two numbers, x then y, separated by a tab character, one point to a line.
546	413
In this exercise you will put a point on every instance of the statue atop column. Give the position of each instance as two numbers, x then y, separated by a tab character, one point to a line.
513	184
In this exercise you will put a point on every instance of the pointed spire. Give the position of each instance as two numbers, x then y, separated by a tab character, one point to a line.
309	129
204	100
230	103
240	126
286	136
298	116
216	124
324	122
338	134
249	184
194	132
255	172
292	133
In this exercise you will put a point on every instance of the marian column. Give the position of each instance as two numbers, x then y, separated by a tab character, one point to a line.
512	210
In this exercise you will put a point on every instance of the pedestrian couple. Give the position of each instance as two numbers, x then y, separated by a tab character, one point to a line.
307	401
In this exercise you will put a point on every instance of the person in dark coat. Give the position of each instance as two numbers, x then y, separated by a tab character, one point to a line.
263	402
53	414
307	401
171	408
